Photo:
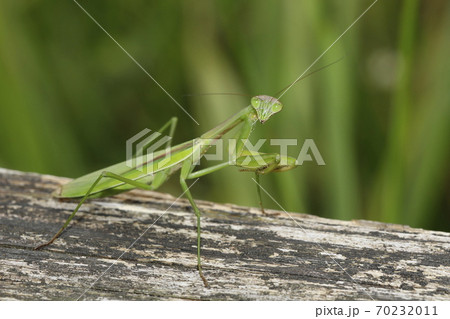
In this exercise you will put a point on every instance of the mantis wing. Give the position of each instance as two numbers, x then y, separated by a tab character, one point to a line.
144	169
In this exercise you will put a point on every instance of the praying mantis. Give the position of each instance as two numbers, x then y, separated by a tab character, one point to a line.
150	172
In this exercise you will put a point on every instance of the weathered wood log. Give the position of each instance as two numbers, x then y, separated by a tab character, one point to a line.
247	255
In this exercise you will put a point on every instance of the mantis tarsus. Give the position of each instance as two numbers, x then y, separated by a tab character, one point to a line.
151	174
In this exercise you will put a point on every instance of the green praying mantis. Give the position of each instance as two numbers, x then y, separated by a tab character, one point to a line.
149	173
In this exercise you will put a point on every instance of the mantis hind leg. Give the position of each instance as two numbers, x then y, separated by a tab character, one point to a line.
99	178
160	177
167	140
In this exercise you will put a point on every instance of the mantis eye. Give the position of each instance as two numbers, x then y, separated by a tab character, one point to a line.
276	107
255	101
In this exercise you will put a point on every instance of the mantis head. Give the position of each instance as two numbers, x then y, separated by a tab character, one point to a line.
265	106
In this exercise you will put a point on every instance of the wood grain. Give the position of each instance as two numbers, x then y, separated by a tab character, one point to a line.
246	255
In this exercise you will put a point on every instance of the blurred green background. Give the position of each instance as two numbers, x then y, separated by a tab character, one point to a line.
70	97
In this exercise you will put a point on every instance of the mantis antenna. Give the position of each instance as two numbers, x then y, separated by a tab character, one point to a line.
306	75
277	93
